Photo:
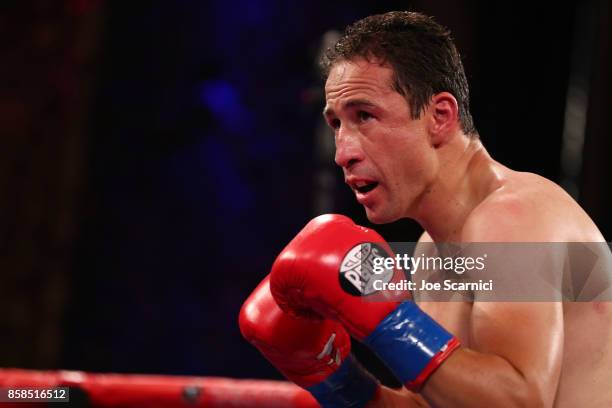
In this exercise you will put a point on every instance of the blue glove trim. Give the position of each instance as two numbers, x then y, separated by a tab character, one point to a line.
349	386
407	340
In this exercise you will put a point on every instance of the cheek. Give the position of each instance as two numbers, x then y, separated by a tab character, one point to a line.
412	158
401	156
411	171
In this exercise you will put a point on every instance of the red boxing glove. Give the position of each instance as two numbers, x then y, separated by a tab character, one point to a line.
313	353
327	270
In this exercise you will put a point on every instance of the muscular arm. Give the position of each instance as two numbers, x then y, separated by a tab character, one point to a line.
512	353
513	359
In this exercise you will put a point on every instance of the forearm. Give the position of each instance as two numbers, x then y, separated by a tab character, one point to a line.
391	398
472	379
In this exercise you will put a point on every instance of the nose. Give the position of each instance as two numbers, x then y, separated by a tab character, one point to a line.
348	148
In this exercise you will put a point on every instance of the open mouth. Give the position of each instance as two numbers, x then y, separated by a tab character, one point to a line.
366	188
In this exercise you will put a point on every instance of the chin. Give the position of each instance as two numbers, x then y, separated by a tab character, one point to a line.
380	217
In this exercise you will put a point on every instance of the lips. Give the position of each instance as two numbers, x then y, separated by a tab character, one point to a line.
363	188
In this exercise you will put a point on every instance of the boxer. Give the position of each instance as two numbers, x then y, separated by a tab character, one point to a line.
398	103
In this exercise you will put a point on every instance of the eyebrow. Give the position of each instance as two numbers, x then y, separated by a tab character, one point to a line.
351	103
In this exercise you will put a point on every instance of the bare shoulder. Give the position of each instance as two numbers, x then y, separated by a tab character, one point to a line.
529	208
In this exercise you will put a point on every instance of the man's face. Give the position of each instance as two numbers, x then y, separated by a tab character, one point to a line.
385	155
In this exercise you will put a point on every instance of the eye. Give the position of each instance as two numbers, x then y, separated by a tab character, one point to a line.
364	116
334	123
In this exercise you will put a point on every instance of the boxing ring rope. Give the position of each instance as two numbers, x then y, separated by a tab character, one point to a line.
130	391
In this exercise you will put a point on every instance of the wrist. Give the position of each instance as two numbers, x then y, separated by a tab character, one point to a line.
412	344
350	385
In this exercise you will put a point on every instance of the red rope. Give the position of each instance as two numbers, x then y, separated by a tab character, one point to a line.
152	391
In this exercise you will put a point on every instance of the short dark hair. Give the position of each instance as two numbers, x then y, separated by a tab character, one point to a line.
421	53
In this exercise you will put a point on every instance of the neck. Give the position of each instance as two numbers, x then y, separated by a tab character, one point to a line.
465	176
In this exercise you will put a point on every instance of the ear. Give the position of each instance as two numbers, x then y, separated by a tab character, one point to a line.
444	118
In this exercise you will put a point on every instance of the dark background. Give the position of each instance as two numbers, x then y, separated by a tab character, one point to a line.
157	155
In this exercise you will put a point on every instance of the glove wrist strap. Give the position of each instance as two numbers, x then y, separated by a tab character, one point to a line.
349	386
411	343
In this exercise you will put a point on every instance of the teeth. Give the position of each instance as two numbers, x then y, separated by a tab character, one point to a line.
360	184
